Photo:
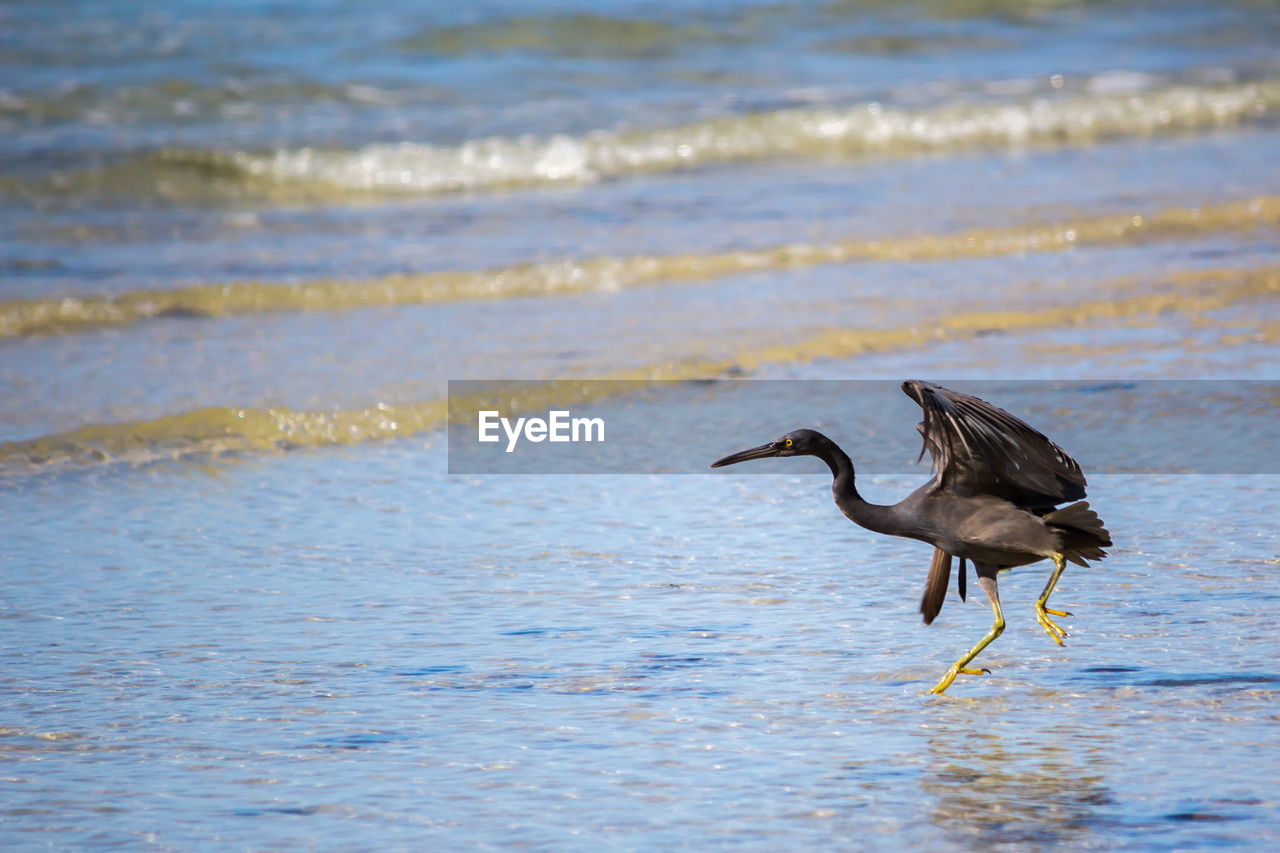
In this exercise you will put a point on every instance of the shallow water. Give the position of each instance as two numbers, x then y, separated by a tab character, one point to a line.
243	250
336	647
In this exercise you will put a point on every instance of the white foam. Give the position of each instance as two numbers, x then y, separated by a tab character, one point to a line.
1114	105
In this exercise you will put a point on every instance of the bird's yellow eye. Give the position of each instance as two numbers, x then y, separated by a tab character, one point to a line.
789	442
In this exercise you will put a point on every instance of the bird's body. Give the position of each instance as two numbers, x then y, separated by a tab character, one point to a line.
993	500
982	530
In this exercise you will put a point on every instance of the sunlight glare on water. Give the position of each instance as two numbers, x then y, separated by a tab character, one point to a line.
575	661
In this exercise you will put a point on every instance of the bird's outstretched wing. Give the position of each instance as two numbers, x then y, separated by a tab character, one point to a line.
978	449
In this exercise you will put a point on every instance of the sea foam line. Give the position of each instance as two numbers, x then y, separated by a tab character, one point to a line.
867	129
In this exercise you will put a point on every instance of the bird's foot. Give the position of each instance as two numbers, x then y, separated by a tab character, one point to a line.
950	676
1053	629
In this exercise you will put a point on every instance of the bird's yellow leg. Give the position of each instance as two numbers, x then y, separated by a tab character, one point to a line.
962	665
1053	629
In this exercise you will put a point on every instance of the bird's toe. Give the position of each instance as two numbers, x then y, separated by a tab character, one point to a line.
1053	629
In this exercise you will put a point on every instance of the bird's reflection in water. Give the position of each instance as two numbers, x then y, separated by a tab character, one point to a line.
993	790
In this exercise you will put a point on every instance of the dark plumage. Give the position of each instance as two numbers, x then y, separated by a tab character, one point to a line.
993	501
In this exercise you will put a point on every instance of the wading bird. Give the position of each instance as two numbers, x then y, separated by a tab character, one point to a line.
992	501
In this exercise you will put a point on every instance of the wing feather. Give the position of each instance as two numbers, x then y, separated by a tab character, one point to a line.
978	448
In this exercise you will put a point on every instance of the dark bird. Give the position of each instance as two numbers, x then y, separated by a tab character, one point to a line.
993	501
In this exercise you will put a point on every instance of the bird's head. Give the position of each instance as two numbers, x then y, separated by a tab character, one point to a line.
801	442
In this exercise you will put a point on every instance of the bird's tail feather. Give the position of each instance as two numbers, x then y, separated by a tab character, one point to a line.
1080	531
935	589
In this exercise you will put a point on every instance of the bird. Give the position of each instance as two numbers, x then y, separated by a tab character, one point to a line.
995	500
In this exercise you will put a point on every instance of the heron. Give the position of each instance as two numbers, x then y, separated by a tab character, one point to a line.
995	500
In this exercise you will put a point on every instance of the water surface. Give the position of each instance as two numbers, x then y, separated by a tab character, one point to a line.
244	248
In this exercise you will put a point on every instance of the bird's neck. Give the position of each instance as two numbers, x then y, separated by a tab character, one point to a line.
874	517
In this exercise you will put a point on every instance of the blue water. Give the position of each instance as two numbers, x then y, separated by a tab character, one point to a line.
293	639
352	648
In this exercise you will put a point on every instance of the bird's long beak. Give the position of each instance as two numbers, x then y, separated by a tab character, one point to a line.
761	452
